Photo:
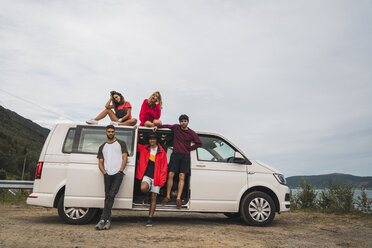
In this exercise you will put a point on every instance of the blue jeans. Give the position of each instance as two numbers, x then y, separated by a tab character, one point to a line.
112	186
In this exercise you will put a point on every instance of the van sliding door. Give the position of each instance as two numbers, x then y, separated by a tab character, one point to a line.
84	184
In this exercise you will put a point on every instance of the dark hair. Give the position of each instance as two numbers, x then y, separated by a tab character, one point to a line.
110	127
183	117
117	104
153	136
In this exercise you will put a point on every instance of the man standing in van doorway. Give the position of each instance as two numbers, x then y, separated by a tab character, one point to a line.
180	158
112	158
152	170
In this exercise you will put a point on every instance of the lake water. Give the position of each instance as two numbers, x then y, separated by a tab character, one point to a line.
357	192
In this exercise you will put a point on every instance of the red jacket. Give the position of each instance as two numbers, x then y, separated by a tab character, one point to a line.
160	172
149	114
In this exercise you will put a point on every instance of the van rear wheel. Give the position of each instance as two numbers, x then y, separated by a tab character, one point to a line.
75	215
258	209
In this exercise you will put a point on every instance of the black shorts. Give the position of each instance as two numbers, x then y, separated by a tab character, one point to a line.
179	163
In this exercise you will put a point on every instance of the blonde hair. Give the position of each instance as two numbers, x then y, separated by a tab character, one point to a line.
152	104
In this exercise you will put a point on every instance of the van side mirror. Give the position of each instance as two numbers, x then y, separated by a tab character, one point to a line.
239	159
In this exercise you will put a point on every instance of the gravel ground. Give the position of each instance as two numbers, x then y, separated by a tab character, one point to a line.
30	226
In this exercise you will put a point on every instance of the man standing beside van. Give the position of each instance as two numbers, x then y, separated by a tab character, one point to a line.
180	158
152	170
112	158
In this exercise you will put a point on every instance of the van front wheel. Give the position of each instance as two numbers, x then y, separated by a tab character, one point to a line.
258	209
75	215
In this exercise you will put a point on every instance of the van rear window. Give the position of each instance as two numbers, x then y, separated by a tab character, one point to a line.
91	138
67	146
88	139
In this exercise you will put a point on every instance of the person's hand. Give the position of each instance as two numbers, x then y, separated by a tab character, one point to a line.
154	129
135	127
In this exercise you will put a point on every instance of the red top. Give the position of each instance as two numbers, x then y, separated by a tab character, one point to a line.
149	114
126	106
160	172
182	139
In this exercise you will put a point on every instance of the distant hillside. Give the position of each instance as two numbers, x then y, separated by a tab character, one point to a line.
20	138
320	181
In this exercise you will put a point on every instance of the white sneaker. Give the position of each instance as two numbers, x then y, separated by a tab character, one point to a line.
107	225
92	121
114	123
100	225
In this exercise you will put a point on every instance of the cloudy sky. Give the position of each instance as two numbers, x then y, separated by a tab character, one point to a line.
290	82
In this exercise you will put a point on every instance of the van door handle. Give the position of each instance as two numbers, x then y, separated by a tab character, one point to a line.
200	165
250	172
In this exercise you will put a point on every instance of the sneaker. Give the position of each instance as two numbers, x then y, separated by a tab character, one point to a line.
107	225
114	123
100	225
92	121
149	222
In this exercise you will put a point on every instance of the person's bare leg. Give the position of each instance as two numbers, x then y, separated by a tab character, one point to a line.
130	122
149	124
112	115
153	205
170	183
157	122
102	114
144	187
181	183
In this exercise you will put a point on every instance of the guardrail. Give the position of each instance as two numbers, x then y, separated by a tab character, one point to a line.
16	184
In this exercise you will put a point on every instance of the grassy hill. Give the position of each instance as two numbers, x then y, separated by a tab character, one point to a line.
20	138
320	181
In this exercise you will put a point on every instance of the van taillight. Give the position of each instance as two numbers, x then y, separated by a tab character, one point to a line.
38	170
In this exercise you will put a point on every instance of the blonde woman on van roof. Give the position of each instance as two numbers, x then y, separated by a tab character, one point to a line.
122	108
151	110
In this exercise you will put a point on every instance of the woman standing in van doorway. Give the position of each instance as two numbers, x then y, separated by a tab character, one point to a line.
151	110
122	115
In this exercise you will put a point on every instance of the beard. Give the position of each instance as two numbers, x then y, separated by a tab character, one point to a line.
110	137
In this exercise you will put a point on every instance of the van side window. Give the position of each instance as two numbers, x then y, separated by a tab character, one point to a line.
67	145
215	149
92	137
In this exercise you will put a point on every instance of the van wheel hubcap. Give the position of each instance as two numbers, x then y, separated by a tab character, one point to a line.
76	213
259	209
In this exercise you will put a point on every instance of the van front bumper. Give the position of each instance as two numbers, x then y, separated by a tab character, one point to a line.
284	198
40	199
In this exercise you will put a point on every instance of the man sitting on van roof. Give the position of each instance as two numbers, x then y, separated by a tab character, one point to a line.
152	170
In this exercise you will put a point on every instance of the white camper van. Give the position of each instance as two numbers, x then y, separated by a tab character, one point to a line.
222	180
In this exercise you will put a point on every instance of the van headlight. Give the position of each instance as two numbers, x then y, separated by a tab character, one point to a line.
280	178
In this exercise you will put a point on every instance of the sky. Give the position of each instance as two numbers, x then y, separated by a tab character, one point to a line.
289	82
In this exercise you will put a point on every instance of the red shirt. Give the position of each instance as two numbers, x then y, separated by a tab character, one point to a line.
126	106
149	114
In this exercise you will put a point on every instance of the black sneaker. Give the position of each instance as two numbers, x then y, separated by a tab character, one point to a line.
149	222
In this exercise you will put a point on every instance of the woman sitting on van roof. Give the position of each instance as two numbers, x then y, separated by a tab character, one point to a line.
151	110
122	115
